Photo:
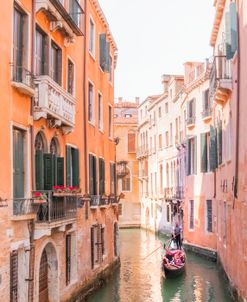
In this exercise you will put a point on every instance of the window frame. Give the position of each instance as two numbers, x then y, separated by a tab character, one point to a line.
72	92
91	40
92	119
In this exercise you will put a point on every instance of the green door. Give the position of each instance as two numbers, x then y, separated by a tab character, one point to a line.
18	163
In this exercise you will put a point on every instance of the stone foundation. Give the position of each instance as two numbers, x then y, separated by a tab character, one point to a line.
207	253
96	282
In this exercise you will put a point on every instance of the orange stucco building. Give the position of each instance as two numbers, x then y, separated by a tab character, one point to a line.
58	186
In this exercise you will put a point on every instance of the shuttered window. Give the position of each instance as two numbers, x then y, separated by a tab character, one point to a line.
191	213
70	77
41	52
56	63
191	156
168	213
213	149
14	276
113	182
205	154
92	175
219	143
92	247
131	142
231	31
126	182
205	100
72	167
209	217
101	176
97	244
104	47
90	103
68	259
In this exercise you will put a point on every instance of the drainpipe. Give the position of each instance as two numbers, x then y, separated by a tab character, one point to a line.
237	111
85	97
31	222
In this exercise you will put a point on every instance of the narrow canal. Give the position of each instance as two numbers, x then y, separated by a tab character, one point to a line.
140	280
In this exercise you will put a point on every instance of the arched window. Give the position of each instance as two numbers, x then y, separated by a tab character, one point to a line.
54	147
126	180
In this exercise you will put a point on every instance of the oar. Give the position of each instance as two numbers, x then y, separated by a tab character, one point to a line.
152	253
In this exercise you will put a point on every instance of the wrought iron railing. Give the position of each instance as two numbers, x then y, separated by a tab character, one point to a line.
191	120
95	200
22	75
220	70
23	206
180	192
57	208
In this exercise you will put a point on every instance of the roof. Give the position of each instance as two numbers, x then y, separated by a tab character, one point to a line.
125	120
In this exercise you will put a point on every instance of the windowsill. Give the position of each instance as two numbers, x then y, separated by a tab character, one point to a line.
92	55
110	138
101	131
191	230
91	123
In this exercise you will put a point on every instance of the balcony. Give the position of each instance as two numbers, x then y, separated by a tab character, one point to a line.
94	201
142	152
68	20
122	169
207	114
22	80
169	192
190	122
179	192
52	102
23	209
220	80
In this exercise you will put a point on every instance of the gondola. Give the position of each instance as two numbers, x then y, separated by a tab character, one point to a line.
169	265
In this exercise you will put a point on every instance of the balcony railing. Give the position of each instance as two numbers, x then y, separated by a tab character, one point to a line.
220	79
22	79
95	201
142	152
191	121
57	208
122	169
23	206
53	102
180	192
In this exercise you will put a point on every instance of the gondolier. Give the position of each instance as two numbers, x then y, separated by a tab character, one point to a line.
177	235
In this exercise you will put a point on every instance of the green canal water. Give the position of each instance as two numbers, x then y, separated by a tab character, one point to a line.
140	280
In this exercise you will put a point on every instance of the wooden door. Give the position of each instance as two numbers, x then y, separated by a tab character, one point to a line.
43	278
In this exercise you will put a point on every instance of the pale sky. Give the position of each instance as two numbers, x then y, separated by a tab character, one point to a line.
156	37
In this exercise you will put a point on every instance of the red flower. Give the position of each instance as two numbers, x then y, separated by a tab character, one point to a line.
37	194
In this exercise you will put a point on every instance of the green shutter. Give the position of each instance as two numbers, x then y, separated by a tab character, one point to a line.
75	170
233	27
204	152
219	141
228	36
100	176
213	148
60	171
95	189
103	51
188	159
18	159
48	171
103	176
68	165
39	170
195	156
90	170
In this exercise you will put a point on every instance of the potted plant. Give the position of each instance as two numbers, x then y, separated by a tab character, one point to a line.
63	191
39	198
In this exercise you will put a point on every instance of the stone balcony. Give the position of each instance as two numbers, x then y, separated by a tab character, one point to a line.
207	114
52	102
190	122
220	87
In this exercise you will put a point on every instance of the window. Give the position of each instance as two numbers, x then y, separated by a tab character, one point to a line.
159	112
131	142
20	44
91	37
191	162
18	163
166	107
191	214
72	167
209	216
205	100
41	52
128	115
97	244
75	12
104	53
14	276
161	179
113	182
68	259
205	152
191	109
168	213
90	103
167	139
171	134
101	176
100	112
56	63
70	77
93	175
110	121
160	141
126	182
120	209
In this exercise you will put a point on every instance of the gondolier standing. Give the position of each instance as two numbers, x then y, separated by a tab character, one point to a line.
177	235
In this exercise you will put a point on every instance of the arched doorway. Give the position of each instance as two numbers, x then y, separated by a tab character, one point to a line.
48	275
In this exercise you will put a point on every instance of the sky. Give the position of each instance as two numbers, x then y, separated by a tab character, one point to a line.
156	37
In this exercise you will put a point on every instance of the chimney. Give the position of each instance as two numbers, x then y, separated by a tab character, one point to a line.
137	99
120	100
165	80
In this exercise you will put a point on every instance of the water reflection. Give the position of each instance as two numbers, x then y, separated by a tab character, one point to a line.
140	280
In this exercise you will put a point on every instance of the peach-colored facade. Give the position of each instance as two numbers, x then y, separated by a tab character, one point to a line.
53	247
125	129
